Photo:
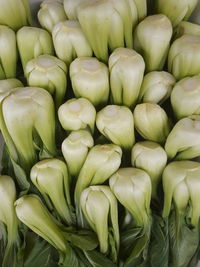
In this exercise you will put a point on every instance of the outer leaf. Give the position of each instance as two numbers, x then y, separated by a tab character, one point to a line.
184	241
159	243
9	166
40	255
127	239
8	255
3	235
82	258
71	259
21	177
195	259
97	259
6	165
135	243
139	253
83	239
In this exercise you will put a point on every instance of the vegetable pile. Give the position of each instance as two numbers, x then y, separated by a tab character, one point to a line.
100	117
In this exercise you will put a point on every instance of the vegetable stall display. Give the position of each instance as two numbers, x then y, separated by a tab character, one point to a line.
100	120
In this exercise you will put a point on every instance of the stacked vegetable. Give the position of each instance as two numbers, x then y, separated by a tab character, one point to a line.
100	115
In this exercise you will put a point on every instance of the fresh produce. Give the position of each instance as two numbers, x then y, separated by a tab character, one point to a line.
50	13
99	206
154	32
15	13
9	221
176	11
156	87
181	187
109	121
32	212
100	133
77	114
152	158
51	178
123	183
89	78
183	142
75	148
132	187
52	73
151	122
185	97
28	122
107	24
183	58
8	54
101	162
7	85
125	85
70	8
67	37
33	42
186	27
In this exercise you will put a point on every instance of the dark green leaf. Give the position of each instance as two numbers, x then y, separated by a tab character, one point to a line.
83	239
184	241
159	243
195	260
134	245
138	253
71	260
10	256
97	259
10	252
6	164
12	168
128	237
82	258
41	254
3	234
21	177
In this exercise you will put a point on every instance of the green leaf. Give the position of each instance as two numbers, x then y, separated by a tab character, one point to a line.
139	251
128	239
12	168
3	234
134	245
83	239
41	254
10	252
1	251
6	165
195	260
40	148
21	178
45	154
10	257
184	241
159	243
113	254
97	259
71	260
82	258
